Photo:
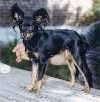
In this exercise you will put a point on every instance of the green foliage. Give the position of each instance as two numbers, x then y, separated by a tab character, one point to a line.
92	15
96	9
10	58
61	72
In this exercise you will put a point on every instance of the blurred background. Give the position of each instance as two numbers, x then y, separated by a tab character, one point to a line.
70	14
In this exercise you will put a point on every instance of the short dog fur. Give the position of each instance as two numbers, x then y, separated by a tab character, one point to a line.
43	46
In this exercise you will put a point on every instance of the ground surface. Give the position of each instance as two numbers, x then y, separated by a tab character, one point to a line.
12	89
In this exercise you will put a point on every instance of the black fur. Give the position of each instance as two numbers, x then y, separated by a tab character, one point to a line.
49	43
85	49
93	53
44	18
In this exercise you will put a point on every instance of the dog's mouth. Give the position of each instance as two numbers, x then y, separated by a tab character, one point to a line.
27	35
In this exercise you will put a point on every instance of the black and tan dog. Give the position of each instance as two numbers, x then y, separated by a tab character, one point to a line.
44	46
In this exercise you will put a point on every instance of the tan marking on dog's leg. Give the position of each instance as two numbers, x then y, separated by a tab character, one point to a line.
72	74
38	86
71	66
86	86
39	83
44	79
31	86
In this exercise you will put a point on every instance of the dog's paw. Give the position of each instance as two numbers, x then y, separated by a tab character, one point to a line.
36	88
86	88
30	87
72	84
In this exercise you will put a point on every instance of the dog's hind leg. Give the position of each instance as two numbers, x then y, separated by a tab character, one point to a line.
71	72
71	66
86	86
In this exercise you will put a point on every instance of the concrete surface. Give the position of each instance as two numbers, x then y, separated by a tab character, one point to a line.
12	89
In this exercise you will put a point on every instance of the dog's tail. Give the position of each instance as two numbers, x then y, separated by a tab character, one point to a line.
93	62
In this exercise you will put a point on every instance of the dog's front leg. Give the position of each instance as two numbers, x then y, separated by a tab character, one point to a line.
41	71
32	86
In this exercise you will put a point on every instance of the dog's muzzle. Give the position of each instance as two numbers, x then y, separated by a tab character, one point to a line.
26	35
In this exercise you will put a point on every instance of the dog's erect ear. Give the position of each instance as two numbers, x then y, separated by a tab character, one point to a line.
41	16
16	12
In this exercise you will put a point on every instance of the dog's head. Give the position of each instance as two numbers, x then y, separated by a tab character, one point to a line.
29	24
